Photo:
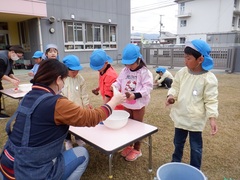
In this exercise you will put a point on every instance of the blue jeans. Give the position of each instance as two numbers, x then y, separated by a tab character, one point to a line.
2	177
76	161
195	139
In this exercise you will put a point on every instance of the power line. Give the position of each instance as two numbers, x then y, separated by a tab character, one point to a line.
150	5
152	8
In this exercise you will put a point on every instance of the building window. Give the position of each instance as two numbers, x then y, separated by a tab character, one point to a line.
182	40
236	4
24	35
182	8
106	33
97	33
89	33
106	36
183	23
78	32
239	22
3	26
83	36
233	21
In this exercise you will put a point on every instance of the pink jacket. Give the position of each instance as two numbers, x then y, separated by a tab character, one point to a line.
140	81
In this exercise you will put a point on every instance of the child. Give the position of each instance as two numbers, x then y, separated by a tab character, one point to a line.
195	90
136	81
99	61
163	78
75	90
51	51
37	56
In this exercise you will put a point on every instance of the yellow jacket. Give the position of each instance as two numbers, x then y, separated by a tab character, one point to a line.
75	90
196	99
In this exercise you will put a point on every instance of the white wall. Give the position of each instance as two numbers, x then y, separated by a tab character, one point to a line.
206	17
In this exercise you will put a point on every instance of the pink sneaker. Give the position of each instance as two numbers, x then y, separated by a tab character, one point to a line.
133	155
126	151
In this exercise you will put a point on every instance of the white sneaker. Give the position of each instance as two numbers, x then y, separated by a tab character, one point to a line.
80	142
68	145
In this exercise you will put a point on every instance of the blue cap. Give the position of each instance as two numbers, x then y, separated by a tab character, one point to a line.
203	48
98	59
51	46
130	54
37	54
72	62
160	69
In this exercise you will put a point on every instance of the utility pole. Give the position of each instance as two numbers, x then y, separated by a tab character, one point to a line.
160	32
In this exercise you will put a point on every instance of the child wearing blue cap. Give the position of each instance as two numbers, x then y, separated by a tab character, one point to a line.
37	56
163	78
194	95
136	81
100	61
75	90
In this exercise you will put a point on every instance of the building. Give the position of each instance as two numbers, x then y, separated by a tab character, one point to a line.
215	21
167	38
75	26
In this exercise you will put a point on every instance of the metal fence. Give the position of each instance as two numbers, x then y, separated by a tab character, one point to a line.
174	57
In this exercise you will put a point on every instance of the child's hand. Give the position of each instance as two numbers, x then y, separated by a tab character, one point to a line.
95	91
170	100
130	96
213	126
31	74
127	94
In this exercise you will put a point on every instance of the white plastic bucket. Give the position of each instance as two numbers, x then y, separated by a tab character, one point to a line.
179	171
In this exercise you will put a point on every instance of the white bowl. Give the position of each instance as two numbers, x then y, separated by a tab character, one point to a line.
25	87
117	119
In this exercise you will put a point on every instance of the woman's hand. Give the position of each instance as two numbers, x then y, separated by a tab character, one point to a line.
117	98
15	82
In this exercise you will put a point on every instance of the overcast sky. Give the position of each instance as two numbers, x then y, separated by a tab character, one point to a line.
145	16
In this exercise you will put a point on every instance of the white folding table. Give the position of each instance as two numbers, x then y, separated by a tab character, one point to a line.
115	140
12	94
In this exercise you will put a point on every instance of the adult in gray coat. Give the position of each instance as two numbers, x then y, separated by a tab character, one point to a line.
7	57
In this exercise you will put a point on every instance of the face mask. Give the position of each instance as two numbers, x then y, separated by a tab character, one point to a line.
60	90
14	57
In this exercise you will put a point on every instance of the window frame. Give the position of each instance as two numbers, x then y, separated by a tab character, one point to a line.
94	36
182	8
183	23
23	29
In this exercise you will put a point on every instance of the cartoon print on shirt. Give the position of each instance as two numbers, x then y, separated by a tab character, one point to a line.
130	86
131	83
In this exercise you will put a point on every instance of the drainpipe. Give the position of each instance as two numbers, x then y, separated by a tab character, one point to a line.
40	35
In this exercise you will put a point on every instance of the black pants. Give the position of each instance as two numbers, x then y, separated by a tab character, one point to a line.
167	82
